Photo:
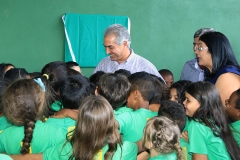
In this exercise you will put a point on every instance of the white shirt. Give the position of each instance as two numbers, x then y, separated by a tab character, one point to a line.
134	63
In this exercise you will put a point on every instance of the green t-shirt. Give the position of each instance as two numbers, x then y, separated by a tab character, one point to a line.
4	123
122	110
5	157
44	137
132	123
67	124
187	123
235	127
170	156
185	148
203	141
63	152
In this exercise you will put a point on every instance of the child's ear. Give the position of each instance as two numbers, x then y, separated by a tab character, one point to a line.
96	90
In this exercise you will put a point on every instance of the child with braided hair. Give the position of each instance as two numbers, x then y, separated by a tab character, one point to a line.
96	137
162	138
23	104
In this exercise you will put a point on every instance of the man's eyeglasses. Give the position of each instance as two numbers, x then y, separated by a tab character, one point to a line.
201	48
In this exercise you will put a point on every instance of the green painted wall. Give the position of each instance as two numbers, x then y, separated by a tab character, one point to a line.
31	31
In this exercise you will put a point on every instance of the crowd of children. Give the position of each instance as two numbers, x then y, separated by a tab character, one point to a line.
61	114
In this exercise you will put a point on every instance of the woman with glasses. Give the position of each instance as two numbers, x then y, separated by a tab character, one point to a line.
222	69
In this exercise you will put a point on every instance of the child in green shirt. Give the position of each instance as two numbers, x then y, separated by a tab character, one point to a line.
232	107
208	132
115	88
24	105
162	138
3	120
72	91
142	90
95	137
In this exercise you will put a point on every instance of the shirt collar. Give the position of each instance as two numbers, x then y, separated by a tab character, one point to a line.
131	56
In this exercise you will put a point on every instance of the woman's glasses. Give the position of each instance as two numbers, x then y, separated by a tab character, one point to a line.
201	48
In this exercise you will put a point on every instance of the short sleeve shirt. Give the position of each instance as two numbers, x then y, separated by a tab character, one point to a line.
44	137
4	123
67	124
170	156
132	123
122	110
63	151
235	127
203	141
185	148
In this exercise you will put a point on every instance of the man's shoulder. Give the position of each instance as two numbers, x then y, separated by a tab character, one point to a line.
191	61
141	60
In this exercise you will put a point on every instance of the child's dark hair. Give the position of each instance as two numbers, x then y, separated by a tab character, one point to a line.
174	111
23	103
165	72
94	78
15	74
3	86
3	68
53	75
211	114
158	91
180	86
238	99
123	72
143	82
73	90
71	64
35	75
115	88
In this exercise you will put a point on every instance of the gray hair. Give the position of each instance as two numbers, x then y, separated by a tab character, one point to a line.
201	31
120	32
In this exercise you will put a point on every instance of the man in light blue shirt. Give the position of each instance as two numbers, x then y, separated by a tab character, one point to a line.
191	70
117	44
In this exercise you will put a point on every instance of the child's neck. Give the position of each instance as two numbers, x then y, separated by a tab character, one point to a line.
144	104
154	107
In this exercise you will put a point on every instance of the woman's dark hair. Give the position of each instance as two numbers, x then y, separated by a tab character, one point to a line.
180	86
220	50
211	113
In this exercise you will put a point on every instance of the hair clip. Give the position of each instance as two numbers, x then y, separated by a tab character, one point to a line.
45	75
